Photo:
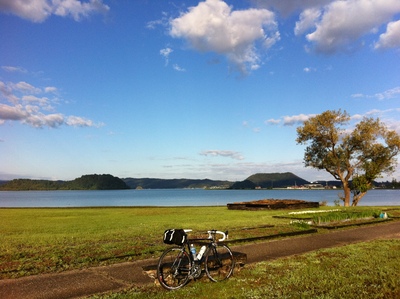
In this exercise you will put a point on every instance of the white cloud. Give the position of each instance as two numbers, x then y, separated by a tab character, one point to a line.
222	153
388	94
296	119
39	10
390	117
178	68
307	20
273	121
26	88
212	26
391	38
27	104
16	69
289	7
77	121
309	69
12	112
50	89
165	53
385	95
344	22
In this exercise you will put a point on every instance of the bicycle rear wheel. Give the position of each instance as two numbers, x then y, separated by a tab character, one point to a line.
173	268
219	262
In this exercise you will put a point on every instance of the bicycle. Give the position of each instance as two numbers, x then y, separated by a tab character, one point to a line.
177	265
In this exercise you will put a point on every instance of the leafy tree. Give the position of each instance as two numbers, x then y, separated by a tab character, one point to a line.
362	154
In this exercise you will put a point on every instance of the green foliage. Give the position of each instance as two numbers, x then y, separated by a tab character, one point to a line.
361	183
26	184
97	182
345	215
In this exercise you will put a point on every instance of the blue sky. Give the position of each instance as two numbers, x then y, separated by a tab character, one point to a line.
186	89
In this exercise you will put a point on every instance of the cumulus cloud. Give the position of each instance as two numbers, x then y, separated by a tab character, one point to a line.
213	26
307	20
339	24
230	154
39	10
288	7
28	104
391	38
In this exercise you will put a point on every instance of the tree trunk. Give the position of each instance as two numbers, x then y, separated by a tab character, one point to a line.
356	198
347	194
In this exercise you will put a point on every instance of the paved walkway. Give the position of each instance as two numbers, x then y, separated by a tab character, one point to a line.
79	283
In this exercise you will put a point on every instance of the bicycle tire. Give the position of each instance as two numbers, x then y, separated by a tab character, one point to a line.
173	268
219	262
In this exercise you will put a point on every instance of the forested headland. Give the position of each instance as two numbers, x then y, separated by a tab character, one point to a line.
85	182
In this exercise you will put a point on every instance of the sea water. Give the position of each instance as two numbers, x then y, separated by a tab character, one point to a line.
180	197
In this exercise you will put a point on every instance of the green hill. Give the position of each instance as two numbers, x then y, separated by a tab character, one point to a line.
152	183
85	182
270	180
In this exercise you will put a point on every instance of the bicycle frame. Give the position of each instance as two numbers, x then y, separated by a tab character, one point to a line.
177	265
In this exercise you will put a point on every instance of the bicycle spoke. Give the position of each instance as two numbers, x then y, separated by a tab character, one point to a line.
173	268
219	263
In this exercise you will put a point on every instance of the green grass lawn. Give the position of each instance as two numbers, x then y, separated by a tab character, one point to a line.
360	271
49	240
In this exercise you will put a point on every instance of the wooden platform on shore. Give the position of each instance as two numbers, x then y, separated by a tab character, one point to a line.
273	204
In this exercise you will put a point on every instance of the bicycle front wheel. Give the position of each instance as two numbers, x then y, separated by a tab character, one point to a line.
173	268
219	263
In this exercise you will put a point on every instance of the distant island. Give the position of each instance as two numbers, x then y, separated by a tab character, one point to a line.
286	180
85	182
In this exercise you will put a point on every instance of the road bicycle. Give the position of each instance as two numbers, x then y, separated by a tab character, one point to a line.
178	265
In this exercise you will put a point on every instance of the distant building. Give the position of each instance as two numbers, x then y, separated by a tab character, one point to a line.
314	186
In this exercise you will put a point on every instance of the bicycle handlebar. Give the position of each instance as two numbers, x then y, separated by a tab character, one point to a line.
224	235
213	232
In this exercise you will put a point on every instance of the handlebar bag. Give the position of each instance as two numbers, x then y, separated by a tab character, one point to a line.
175	236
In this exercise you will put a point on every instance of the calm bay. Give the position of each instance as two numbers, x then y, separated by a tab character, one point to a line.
179	197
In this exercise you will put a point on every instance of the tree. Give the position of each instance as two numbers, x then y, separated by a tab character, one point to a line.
363	154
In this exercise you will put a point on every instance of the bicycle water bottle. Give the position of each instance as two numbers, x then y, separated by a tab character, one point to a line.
201	252
193	251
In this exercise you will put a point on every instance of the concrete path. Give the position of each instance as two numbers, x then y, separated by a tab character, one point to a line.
80	283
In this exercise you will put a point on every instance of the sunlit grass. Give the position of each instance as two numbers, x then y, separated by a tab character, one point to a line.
362	271
48	240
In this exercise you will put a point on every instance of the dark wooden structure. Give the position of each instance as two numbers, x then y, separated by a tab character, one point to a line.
273	204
